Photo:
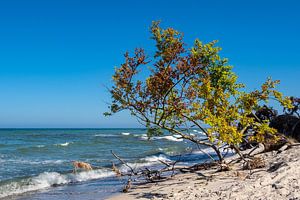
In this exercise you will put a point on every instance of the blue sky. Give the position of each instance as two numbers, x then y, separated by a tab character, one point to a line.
56	56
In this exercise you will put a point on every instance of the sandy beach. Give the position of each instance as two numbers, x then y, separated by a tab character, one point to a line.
279	179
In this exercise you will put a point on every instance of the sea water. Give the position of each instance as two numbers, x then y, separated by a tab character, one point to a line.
37	163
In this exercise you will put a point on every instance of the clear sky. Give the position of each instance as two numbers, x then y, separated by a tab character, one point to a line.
56	56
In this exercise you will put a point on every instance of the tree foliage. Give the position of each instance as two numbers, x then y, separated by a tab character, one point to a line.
190	87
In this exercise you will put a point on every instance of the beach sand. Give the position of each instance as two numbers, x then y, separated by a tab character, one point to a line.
279	179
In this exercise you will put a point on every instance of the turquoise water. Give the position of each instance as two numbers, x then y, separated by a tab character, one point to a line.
37	163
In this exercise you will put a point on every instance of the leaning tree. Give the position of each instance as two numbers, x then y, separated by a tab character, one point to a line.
180	88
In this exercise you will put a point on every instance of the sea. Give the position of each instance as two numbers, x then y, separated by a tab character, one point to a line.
37	163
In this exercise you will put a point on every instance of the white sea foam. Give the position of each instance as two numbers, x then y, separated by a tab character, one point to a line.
204	151
147	161
144	137
200	132
175	138
63	144
155	158
34	162
125	133
40	146
45	162
48	179
105	135
211	151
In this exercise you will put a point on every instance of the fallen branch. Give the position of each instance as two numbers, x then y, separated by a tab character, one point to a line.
122	161
295	144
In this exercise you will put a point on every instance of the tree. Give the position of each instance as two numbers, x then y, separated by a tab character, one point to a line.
188	88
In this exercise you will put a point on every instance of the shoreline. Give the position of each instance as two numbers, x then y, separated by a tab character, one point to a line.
279	179
28	172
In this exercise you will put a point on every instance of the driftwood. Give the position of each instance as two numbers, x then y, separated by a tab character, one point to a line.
122	161
149	175
154	175
198	167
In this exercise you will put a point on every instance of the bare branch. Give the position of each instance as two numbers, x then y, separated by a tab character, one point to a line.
122	161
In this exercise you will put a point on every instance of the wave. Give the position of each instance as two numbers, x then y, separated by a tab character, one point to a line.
63	144
125	133
198	132
204	151
145	162
209	151
143	136
188	158
49	179
169	151
106	135
33	162
175	138
46	162
156	159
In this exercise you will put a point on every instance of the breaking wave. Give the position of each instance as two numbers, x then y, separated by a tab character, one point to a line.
49	179
175	138
145	162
